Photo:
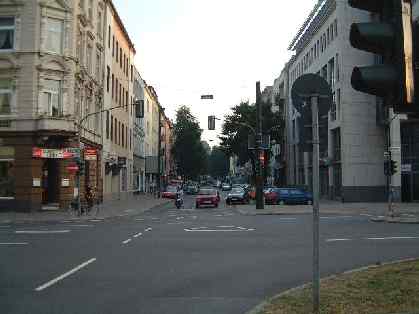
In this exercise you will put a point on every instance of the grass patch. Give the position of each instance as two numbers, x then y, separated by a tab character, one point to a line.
382	290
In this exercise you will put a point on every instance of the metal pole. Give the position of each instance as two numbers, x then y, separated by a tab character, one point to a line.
389	192
316	185
78	173
259	150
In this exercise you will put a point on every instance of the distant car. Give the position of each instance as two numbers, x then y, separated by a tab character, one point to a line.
292	196
226	186
252	193
271	196
192	189
207	197
237	195
170	192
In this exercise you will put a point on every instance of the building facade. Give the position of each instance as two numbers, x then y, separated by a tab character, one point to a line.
119	119
49	80
353	143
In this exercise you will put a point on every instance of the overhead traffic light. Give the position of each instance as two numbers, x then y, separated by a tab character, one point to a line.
392	38
211	122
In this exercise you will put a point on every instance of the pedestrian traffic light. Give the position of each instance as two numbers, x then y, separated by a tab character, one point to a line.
211	122
393	167
392	38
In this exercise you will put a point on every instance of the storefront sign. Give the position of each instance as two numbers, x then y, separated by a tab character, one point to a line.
51	153
406	168
65	182
90	154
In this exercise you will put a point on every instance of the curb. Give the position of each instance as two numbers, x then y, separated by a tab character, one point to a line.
82	218
259	307
395	220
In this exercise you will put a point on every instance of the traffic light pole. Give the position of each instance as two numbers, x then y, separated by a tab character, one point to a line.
259	180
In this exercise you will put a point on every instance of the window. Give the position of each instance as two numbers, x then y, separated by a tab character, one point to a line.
113	46
90	10
132	73
109	37
108	74
7	178
113	86
78	47
119	132
130	139
7	33
336	144
333	108
123	135
331	32
125	58
107	125
116	90
332	73
89	58
336	28
328	36
123	96
99	23
51	97
126	100
6	96
116	131
120	94
54	41
338	103
126	136
117	49
337	67
120	57
98	66
111	127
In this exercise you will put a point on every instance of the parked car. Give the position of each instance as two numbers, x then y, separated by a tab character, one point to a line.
271	196
170	192
292	196
207	197
226	186
237	195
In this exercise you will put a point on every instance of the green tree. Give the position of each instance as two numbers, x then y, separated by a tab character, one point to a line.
218	163
188	152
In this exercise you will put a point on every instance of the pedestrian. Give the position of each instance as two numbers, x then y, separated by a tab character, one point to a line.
90	198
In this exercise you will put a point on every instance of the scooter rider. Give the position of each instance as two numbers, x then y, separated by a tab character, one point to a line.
178	199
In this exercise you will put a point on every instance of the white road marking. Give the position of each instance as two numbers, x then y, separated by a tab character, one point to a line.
5	226
366	215
41	231
194	217
336	217
81	225
61	277
198	228
219	230
393	238
137	235
172	215
287	218
179	218
122	215
127	241
148	229
337	240
140	219
176	223
241	228
154	218
96	220
15	243
225	226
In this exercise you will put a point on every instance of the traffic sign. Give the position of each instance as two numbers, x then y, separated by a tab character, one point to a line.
207	96
73	167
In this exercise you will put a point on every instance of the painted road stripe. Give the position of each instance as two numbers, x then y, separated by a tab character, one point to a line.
15	243
337	217
137	235
219	230
225	226
126	241
287	218
96	220
176	223
366	215
82	225
148	229
140	219
41	231
5	226
337	240
393	238
61	277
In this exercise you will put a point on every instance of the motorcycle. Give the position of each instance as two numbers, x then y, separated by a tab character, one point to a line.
179	201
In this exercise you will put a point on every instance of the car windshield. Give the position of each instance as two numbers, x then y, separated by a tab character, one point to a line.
237	190
207	192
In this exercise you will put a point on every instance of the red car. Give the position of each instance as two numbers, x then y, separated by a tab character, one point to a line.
207	197
270	197
170	192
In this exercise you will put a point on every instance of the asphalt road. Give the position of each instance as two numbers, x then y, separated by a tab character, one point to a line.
181	261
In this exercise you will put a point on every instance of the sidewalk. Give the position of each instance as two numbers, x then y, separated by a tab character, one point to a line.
135	205
404	210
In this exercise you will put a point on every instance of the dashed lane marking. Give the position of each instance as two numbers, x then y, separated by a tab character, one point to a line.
393	238
14	243
138	234
337	240
126	241
61	277
41	231
148	229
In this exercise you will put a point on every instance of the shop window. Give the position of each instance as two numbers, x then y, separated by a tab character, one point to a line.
6	96
7	178
7	33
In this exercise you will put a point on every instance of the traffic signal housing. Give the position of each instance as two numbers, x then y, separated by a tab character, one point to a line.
392	38
393	167
211	123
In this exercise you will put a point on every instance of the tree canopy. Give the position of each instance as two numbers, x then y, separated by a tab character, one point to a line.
218	163
188	152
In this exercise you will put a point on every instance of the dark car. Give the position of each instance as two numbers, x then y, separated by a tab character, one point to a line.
226	186
292	196
207	197
170	192
192	189
237	195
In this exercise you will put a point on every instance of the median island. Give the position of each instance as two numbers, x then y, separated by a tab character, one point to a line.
387	289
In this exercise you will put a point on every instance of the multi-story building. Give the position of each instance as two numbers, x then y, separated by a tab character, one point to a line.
151	123
167	162
353	143
118	100
50	77
139	136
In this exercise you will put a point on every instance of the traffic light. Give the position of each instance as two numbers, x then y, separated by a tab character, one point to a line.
80	163
139	108
393	167
211	122
392	38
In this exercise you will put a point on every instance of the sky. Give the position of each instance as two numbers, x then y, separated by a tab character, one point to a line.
187	48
